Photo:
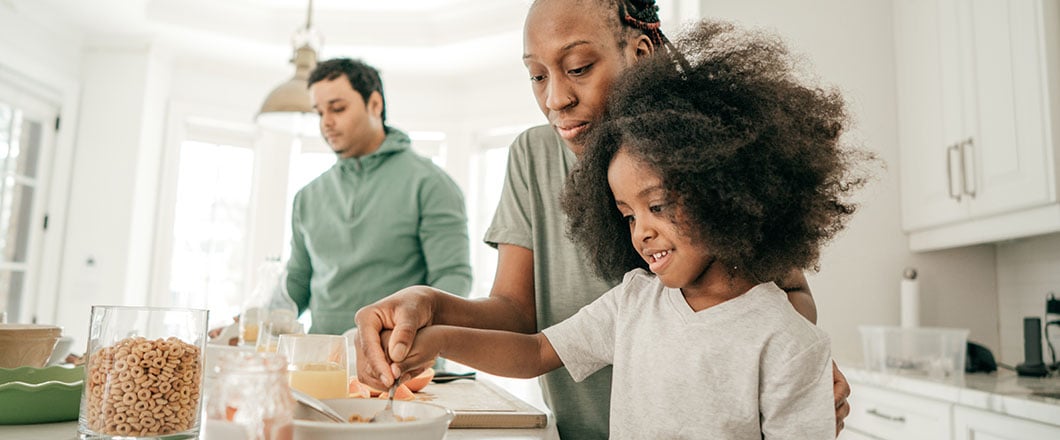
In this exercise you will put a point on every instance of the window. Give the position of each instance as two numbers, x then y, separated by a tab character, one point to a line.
210	224
25	137
488	167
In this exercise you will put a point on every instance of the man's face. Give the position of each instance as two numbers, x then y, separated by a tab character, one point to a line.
572	56
350	126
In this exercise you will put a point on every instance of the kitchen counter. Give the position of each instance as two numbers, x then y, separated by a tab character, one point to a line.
1001	392
465	397
68	431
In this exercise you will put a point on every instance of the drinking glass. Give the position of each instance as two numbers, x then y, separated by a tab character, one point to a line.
316	364
143	373
269	336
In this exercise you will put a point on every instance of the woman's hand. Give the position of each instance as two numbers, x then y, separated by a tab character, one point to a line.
841	389
403	313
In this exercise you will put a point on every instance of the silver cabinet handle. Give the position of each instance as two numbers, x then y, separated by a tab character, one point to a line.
969	143
877	413
949	171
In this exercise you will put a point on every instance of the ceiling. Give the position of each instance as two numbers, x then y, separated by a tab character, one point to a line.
416	36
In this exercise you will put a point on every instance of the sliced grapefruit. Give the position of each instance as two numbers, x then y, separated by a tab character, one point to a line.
421	380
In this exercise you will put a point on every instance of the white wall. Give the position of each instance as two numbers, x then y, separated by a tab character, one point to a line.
1027	271
849	44
112	202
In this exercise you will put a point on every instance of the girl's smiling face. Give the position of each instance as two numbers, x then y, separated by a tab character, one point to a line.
653	219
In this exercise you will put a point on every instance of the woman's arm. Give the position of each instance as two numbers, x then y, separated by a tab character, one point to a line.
798	290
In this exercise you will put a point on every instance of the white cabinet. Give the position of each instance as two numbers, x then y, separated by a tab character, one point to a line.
977	81
889	415
974	424
853	434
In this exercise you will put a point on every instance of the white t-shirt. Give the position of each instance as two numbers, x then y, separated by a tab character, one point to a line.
748	368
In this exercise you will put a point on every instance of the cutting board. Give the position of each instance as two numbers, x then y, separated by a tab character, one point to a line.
481	404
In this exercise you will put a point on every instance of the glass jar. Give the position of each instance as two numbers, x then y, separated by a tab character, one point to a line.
249	398
143	373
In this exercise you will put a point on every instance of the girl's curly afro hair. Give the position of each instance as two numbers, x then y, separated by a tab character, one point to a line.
750	155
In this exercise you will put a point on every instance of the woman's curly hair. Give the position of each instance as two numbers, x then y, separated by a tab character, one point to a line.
751	156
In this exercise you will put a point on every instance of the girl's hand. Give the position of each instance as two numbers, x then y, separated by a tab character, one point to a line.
429	342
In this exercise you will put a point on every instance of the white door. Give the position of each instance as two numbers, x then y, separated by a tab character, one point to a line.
27	137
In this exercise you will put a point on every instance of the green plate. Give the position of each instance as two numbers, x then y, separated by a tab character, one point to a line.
40	395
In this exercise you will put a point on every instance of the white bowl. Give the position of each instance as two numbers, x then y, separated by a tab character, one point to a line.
61	350
431	421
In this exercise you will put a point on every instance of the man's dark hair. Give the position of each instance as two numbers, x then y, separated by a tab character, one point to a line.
751	156
364	78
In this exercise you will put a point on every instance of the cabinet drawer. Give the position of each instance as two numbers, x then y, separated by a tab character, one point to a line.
896	416
974	424
853	434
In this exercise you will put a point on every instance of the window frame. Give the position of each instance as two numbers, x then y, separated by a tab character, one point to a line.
36	104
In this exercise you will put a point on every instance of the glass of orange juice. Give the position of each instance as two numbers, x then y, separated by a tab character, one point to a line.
316	364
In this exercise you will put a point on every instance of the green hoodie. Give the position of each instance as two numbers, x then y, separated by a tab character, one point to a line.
372	225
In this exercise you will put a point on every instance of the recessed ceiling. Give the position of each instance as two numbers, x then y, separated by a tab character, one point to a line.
438	36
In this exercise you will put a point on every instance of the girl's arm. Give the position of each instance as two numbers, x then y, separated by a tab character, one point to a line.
496	352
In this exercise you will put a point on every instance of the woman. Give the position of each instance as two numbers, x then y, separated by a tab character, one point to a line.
573	51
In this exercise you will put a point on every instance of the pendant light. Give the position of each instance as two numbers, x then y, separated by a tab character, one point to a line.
287	109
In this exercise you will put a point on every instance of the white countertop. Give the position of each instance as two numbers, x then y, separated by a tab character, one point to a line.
1002	392
68	431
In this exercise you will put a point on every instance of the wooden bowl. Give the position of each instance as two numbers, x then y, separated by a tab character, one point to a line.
27	345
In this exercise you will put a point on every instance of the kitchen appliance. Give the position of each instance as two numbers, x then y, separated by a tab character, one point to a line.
1032	349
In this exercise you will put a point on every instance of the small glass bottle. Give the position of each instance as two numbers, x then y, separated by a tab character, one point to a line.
268	303
250	395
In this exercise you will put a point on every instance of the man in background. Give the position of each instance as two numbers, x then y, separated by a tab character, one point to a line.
381	219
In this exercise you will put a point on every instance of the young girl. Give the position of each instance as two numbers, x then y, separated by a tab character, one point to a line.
723	171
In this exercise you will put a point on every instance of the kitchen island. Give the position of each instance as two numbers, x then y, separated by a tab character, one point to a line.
68	431
484	411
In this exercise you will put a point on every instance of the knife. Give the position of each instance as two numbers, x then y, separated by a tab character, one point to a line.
446	377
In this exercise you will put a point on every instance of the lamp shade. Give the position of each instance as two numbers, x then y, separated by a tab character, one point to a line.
288	108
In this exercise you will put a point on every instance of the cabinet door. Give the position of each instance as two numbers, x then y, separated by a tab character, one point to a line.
974	424
929	118
1006	146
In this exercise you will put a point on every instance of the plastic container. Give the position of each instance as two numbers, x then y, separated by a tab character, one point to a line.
936	353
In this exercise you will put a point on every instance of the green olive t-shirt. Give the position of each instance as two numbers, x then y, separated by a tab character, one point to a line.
529	215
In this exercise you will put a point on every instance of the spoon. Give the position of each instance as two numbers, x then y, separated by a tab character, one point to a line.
316	405
387	414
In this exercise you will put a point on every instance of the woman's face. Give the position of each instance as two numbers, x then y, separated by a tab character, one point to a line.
573	56
652	216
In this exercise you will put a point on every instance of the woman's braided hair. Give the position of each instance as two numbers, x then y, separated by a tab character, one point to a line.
643	15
